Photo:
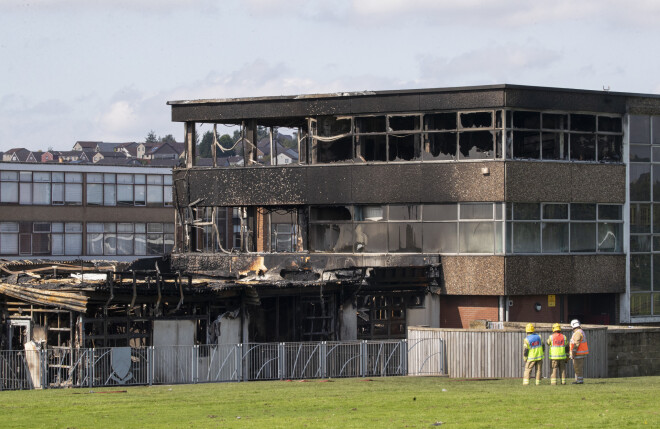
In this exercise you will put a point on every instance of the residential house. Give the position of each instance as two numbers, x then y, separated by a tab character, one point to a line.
20	155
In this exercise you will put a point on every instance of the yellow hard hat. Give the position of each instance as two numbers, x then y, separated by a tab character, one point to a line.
556	327
529	328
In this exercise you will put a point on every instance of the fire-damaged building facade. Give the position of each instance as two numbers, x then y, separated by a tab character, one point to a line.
433	207
430	207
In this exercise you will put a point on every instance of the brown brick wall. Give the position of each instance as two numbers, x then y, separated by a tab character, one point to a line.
459	311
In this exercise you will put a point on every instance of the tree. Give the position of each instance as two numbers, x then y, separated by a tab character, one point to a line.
168	139
204	148
151	137
227	142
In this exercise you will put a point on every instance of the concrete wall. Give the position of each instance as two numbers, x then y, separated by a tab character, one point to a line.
348	320
428	316
633	352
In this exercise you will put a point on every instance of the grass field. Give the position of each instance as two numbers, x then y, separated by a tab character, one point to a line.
396	402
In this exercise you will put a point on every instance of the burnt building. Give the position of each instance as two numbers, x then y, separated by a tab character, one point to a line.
431	207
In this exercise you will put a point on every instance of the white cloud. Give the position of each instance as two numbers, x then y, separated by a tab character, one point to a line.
493	64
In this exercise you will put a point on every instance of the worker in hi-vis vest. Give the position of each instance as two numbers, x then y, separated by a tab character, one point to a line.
533	352
558	354
579	351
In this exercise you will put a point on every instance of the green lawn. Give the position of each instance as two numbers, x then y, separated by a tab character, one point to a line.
395	402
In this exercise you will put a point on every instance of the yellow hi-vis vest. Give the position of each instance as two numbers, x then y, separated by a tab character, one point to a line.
557	343
535	345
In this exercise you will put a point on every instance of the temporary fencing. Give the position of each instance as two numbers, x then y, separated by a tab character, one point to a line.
63	367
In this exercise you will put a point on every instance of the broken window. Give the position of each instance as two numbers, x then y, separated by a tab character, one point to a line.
404	147
440	146
476	120
609	148
405	237
554	146
526	144
372	148
284	230
333	140
586	123
476	145
583	147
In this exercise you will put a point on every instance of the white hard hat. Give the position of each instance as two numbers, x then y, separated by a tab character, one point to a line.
575	323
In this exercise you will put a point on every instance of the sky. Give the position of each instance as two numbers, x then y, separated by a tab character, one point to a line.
104	70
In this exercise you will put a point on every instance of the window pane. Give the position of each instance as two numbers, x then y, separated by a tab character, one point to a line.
330	213
140	195
73	177
440	212
41	244
583	237
41	193
9	176
73	193
609	124
640	218
58	193
583	147
583	211
9	192
125	195
41	176
526	211
154	194
640	304
640	182
154	227
555	237
331	238
94	243
404	123
476	211
522	119
554	146
640	272
155	244
73	244
125	179
583	122
124	244
407	212
610	148
109	244
335	150
371	238
640	153
94	194
526	237
369	213
25	176
140	179
640	243
140	244
26	193
640	129
109	195
610	237
57	176
555	211
8	243
440	237
109	178
527	144
154	179
405	237
476	237
57	244
555	121
94	178
610	212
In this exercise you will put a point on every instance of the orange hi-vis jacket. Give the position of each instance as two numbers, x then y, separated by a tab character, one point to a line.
579	346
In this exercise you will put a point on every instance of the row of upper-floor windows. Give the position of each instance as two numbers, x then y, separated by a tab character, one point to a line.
66	238
467	136
455	228
72	188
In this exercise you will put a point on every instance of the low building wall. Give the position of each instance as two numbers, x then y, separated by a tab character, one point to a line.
633	352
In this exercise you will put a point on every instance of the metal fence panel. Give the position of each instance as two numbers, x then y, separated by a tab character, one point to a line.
114	366
20	370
